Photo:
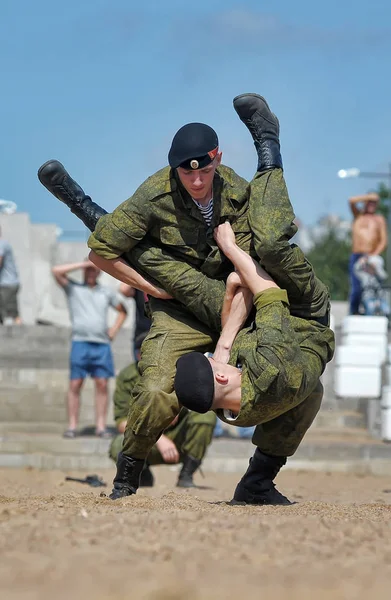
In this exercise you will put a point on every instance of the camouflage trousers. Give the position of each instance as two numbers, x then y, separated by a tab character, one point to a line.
192	436
154	405
283	435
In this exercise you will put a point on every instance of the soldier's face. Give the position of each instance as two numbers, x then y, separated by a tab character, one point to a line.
198	182
228	380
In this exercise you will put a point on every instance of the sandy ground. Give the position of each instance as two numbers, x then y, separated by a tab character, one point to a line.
62	540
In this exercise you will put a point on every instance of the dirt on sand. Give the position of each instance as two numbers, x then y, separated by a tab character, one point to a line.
62	540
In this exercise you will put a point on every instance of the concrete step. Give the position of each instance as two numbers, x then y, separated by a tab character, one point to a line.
358	453
52	451
26	404
47	347
336	419
8	427
31	427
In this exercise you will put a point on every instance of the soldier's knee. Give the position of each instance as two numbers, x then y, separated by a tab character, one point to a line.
209	419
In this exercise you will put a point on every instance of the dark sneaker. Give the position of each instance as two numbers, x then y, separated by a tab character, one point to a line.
104	434
69	434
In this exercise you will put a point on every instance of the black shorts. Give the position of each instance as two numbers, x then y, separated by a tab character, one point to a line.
9	301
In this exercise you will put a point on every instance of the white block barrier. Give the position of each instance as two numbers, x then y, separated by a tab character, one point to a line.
385	407
373	340
389	354
357	382
367	325
358	356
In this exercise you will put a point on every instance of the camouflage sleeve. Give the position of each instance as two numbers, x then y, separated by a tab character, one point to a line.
121	230
291	353
124	384
277	350
201	295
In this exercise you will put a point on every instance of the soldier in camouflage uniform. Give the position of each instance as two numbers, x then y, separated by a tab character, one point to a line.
186	440
271	379
161	232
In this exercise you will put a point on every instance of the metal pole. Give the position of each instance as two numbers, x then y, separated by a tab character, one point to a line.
388	249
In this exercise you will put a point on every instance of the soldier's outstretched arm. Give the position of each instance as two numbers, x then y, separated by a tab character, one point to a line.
115	234
200	294
121	270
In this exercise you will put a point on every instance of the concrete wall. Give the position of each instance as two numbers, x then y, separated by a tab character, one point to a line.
36	250
17	231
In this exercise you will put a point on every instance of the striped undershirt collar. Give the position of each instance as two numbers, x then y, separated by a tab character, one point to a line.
206	211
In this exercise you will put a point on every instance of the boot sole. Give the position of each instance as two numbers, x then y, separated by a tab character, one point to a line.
263	100
42	168
243	503
252	96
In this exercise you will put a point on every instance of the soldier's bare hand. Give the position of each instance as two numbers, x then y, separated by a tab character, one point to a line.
234	281
167	449
224	236
157	292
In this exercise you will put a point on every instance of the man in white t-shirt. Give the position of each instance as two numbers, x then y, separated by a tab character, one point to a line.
88	304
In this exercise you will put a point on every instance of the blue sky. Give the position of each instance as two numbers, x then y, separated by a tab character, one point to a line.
102	85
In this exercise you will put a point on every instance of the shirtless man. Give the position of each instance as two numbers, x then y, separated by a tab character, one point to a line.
369	237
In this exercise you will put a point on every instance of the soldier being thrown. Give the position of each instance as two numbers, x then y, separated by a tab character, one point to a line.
164	235
272	381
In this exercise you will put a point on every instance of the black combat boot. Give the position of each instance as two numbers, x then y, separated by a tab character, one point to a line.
57	180
127	478
147	479
189	467
256	485
264	127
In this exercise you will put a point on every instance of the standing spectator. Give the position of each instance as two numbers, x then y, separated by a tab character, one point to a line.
88	304
9	284
369	237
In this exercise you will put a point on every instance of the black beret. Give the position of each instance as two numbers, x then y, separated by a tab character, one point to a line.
194	146
194	382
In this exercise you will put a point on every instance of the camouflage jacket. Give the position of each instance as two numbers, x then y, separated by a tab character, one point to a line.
161	213
282	358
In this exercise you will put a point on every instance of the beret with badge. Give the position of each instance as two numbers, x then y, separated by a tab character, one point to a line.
194	146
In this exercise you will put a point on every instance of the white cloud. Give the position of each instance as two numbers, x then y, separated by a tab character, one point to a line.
255	28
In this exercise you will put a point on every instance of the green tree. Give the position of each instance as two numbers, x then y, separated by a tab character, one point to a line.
385	199
330	258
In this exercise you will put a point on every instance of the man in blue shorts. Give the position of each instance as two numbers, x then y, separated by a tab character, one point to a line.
88	304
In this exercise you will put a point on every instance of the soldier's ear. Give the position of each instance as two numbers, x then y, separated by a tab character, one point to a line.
218	158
